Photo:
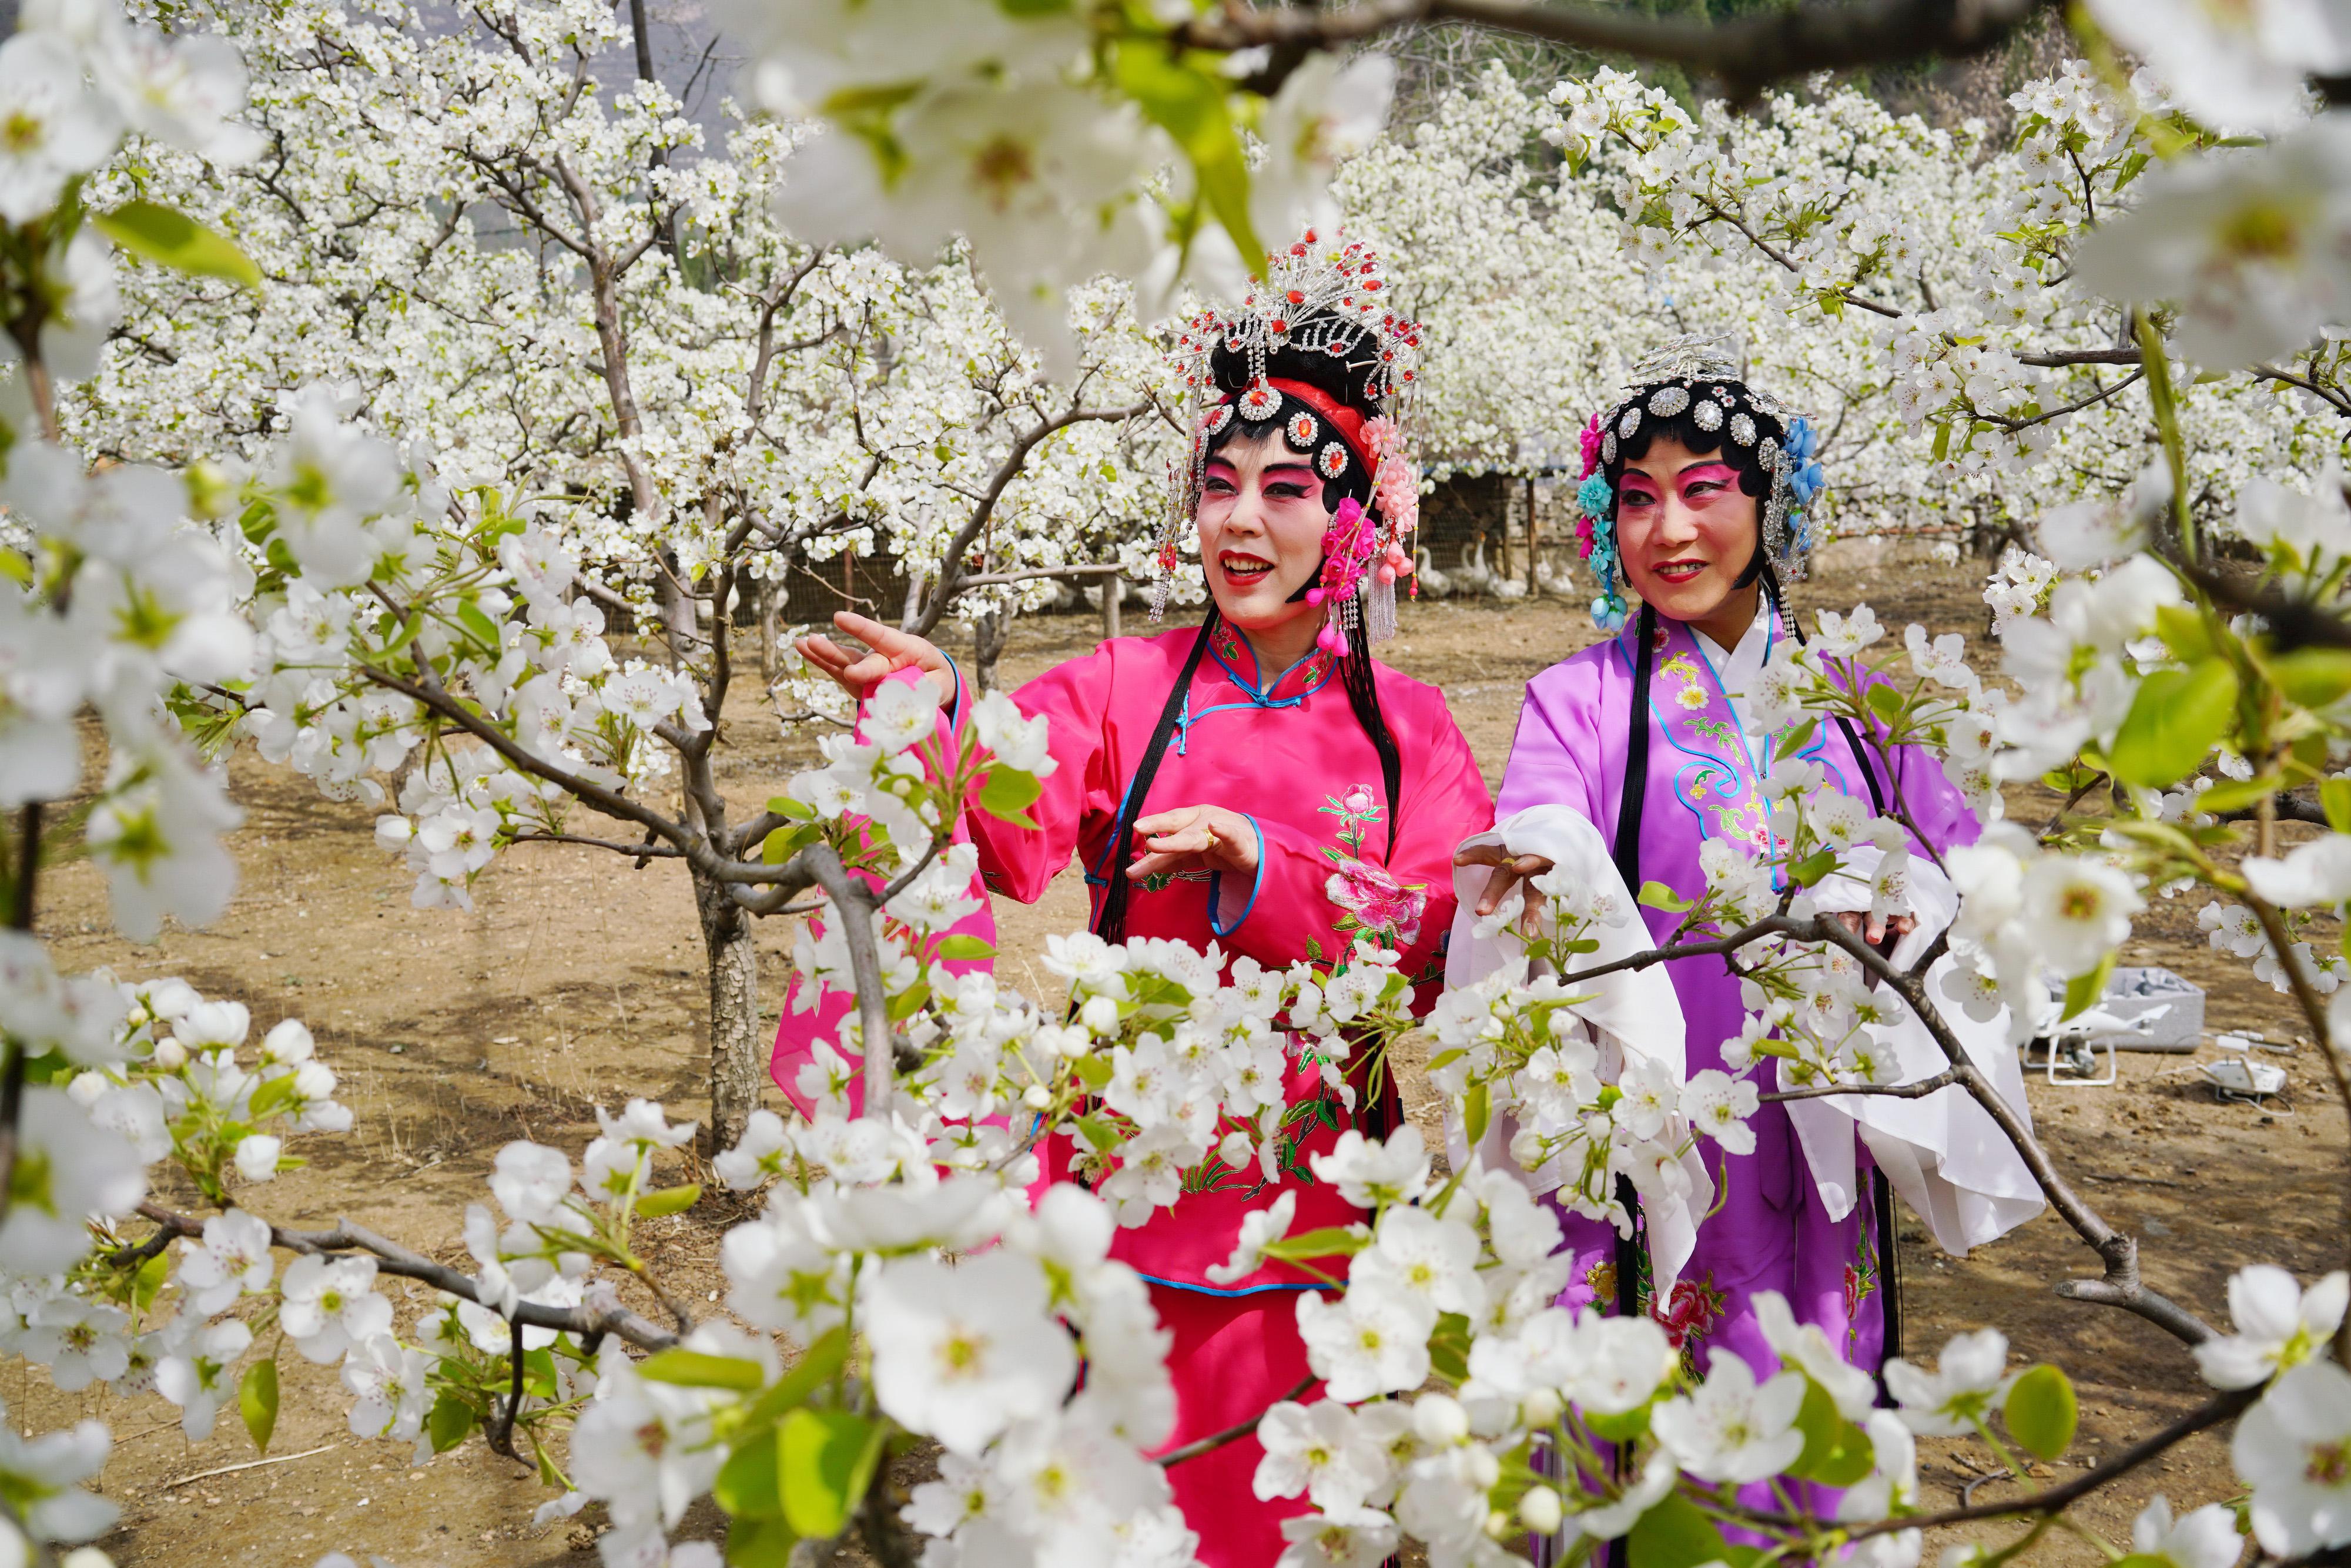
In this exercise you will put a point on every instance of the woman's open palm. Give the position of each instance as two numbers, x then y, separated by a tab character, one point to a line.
891	651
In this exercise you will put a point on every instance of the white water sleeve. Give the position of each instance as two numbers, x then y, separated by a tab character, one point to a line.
1944	1153
1630	1012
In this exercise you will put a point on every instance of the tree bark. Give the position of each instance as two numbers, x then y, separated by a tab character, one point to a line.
988	635
739	1057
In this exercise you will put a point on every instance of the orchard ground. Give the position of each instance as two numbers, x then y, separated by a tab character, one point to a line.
577	980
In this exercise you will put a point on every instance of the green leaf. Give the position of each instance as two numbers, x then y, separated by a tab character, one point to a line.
2314	677
2335	797
449	1423
1100	1132
1675	1533
746	1484
1187	97
482	628
785	806
908	1002
1658	895
2236	794
1886	701
1797	739
163	235
1329	1241
1094	1071
1813	867
148	1283
760	1543
1622	1428
670	1200
2082	991
965	947
1836	1452
1449	1347
1009	793
804	1377
256	1400
2042	1412
1475	1109
2183	633
782	843
825	1460
2174	722
695	1369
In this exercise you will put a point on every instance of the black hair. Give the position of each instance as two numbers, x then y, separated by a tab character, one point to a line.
1345	379
1754	479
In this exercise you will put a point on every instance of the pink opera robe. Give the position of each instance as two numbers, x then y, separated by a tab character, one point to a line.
1774	1231
1288	752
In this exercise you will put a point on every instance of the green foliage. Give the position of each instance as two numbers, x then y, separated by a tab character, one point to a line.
1676	1534
2176	719
165	234
256	1400
2042	1412
825	1460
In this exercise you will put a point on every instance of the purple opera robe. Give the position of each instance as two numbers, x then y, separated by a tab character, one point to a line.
1289	753
1774	1231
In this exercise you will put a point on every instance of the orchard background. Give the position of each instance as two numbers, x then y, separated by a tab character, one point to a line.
422	429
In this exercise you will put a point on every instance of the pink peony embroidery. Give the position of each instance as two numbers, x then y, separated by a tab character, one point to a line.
1378	902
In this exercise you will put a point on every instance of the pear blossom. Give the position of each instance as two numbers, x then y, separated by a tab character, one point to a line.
196	1377
2294	1449
962	1354
1260	1228
1971	1377
330	1305
2203	1538
1730	1429
2279	1325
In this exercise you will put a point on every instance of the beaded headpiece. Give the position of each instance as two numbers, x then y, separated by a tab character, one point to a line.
1699	375
1320	296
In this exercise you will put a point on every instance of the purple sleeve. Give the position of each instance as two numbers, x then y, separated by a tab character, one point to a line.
1556	757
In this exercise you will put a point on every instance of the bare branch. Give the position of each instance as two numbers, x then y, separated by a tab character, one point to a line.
391	1258
951	573
1745	54
854	906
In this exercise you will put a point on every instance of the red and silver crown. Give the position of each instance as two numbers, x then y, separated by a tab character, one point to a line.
1324	294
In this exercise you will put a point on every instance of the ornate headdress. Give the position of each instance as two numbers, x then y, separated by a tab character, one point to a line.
1699	375
1320	296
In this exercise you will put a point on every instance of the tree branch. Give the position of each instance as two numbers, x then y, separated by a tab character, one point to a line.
951	572
393	1258
1746	54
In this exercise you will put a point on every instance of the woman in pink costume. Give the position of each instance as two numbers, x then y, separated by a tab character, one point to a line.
1259	782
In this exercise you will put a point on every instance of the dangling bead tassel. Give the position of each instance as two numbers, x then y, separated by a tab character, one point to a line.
1379	608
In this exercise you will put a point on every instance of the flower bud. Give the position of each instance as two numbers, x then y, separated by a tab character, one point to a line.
1440	1420
1100	1014
170	1054
1542	1407
1037	1097
1540	1510
1526	1148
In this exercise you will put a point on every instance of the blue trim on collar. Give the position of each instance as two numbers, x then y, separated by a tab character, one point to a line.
1213	1290
1257	885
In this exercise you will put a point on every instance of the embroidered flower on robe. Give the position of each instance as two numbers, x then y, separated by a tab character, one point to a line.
1375	902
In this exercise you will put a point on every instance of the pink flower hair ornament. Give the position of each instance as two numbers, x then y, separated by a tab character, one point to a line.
1348	546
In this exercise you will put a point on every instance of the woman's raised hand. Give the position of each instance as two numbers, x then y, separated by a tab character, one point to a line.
1187	838
893	651
1508	870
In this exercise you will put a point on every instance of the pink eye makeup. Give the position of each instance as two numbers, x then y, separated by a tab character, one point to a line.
1706	481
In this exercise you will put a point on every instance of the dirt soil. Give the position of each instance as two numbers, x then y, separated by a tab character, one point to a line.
577	979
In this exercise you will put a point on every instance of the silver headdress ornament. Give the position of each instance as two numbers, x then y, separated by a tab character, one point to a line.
1322	295
1702	375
